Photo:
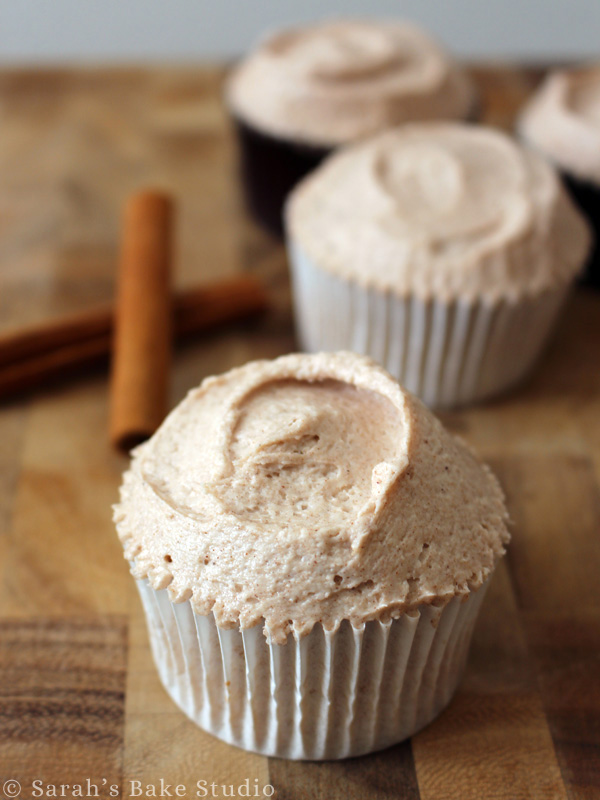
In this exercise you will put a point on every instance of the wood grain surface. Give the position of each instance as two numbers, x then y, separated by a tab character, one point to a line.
79	696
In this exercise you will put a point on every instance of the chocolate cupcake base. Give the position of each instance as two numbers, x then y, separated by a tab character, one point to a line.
587	197
270	167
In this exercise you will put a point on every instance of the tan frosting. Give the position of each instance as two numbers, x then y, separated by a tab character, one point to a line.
308	489
439	209
562	120
339	81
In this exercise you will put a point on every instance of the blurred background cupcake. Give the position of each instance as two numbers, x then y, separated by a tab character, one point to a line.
443	250
562	121
305	91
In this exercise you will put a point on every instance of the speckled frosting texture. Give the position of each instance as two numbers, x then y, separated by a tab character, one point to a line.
442	210
308	489
338	81
562	121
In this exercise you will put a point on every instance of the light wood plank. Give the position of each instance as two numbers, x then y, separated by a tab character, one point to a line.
62	555
555	503
12	429
493	741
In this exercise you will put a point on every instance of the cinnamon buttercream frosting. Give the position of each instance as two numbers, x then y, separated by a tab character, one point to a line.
562	120
339	81
444	210
308	489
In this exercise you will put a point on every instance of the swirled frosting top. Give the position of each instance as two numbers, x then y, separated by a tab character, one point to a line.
439	209
338	81
562	120
309	489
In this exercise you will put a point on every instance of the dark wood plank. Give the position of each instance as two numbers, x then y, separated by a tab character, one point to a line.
380	776
62	699
566	650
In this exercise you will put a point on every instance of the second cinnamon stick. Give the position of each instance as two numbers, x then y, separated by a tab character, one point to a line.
35	356
142	340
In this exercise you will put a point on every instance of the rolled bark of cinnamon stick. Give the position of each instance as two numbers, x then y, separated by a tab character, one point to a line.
40	371
142	338
194	309
32	341
35	356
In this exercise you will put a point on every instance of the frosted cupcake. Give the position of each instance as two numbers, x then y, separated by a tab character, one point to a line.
311	548
445	251
305	91
562	121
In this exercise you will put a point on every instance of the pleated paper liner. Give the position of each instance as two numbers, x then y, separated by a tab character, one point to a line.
447	353
327	695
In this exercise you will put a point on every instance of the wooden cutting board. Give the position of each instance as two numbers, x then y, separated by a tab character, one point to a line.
79	697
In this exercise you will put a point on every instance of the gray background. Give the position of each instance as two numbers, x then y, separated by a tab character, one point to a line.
183	30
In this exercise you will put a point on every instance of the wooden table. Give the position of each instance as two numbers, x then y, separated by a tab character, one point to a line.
79	696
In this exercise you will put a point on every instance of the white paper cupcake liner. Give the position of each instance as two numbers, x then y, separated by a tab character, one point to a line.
447	353
326	695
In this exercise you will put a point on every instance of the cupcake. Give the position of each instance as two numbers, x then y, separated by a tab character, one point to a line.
562	121
305	91
442	250
311	548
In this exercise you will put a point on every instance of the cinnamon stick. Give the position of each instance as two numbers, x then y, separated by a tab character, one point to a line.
41	369
23	343
33	357
227	300
195	309
142	339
